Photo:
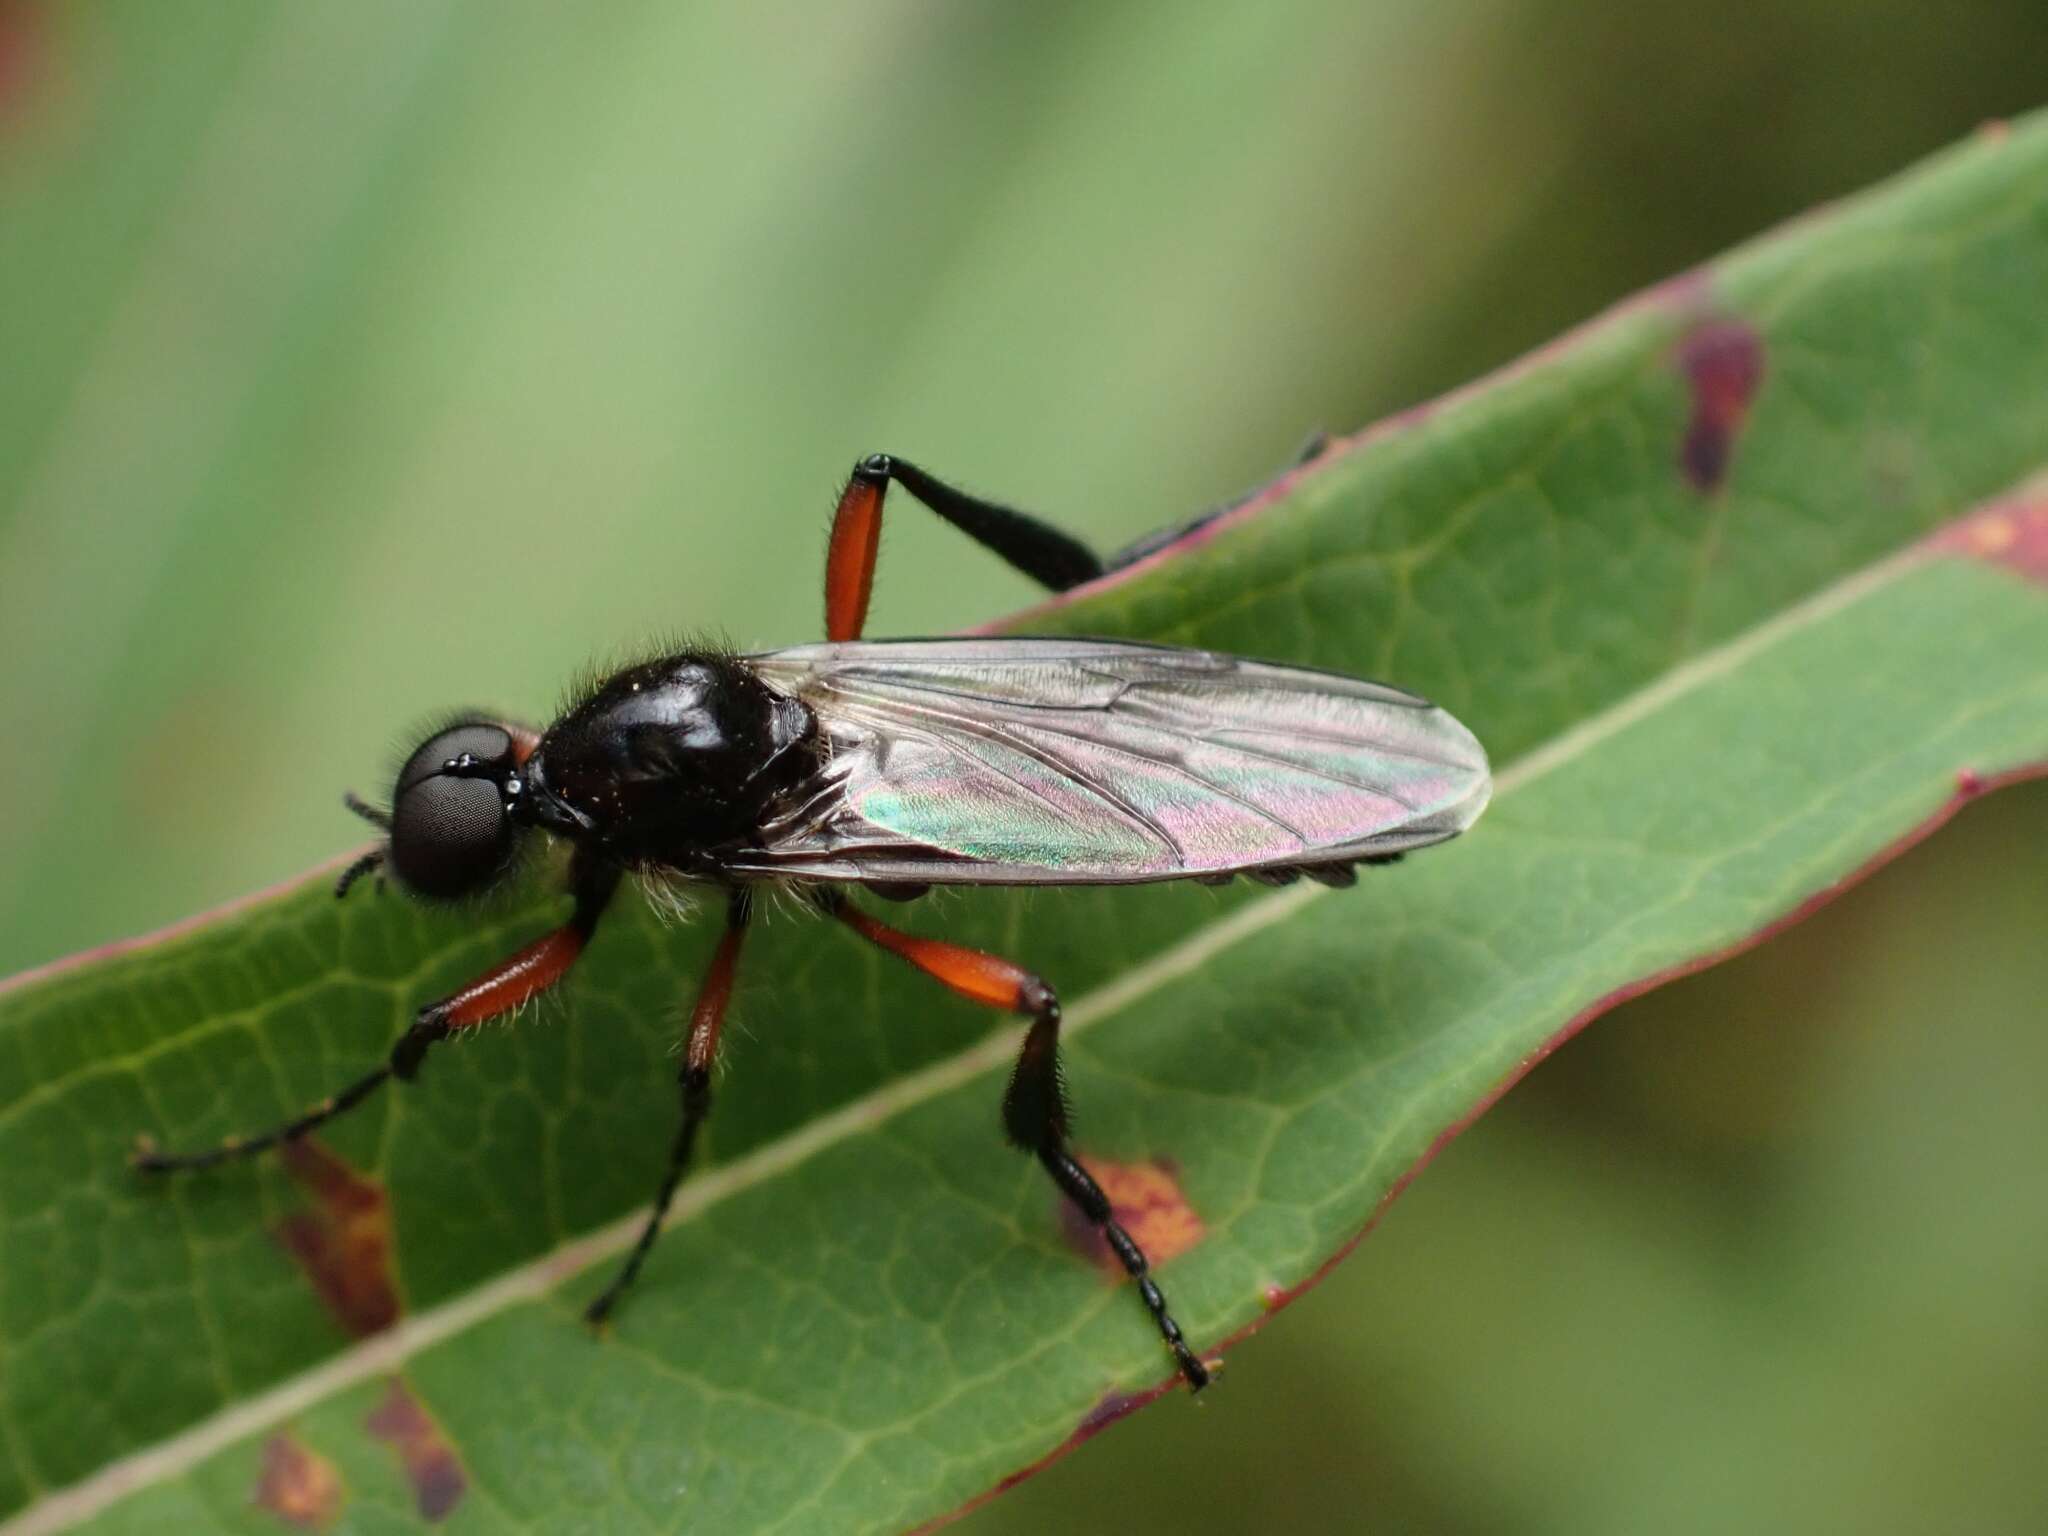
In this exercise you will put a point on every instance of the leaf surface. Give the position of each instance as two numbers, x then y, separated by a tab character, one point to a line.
1731	585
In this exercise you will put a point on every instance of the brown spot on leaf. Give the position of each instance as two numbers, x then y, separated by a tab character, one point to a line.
1723	363
22	28
343	1241
297	1485
2012	533
431	1465
1147	1202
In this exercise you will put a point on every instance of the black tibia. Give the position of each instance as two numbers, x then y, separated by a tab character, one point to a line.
700	1055
1044	553
1047	555
1035	1116
1035	1105
504	987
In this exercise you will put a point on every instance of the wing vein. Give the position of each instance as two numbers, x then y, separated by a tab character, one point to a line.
1187	772
1071	771
1067	771
895	685
1103	761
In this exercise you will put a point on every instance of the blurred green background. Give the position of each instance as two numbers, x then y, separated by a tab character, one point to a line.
357	360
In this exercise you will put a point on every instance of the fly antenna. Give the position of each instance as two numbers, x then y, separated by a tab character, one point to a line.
374	859
368	812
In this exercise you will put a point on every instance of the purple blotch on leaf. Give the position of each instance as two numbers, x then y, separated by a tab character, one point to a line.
1723	364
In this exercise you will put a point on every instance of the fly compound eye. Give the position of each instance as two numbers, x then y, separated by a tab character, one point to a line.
450	835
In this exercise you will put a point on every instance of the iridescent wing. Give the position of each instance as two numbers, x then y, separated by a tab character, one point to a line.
1056	762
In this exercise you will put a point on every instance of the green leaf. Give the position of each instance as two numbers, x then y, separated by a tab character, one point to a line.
1676	571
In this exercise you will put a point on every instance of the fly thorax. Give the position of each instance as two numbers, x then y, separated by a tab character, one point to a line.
673	757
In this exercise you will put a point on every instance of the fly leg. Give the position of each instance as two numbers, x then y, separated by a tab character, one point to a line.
700	1055
1151	543
1053	559
504	987
1035	1105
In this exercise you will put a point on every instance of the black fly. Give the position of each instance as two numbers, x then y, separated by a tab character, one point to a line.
893	766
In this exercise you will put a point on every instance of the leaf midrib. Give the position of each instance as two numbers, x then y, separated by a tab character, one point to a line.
537	1278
